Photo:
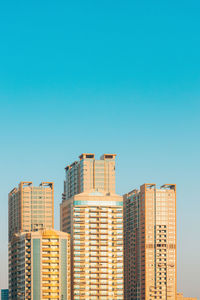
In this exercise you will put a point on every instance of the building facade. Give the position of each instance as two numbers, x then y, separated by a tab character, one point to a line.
39	265
88	174
94	218
30	207
4	294
150	243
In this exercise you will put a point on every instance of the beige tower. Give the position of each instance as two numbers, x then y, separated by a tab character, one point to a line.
94	218
150	243
30	208
88	173
39	265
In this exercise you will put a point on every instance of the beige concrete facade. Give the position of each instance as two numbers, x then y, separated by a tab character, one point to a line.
150	242
39	265
181	297
94	218
30	207
88	174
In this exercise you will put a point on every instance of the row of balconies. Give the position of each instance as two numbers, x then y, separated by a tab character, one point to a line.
98	227
95	235
50	255
98	215
97	218
98	282
97	210
96	262
99	254
50	261
98	249
99	291
53	297
94	277
50	244
81	296
114	269
50	285
101	270
98	223
51	272
100	241
50	250
50	267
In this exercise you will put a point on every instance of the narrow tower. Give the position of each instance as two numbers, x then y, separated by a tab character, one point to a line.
93	214
150	242
30	209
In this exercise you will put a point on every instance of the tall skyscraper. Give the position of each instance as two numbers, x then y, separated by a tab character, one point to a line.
30	207
93	214
4	294
39	265
150	243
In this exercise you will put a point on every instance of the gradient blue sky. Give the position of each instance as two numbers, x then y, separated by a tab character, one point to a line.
104	76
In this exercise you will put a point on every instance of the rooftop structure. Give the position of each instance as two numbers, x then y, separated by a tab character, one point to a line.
89	173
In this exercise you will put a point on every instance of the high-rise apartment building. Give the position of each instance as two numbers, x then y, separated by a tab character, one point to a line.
39	265
150	243
93	214
30	207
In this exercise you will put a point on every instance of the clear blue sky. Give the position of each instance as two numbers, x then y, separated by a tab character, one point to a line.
104	76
